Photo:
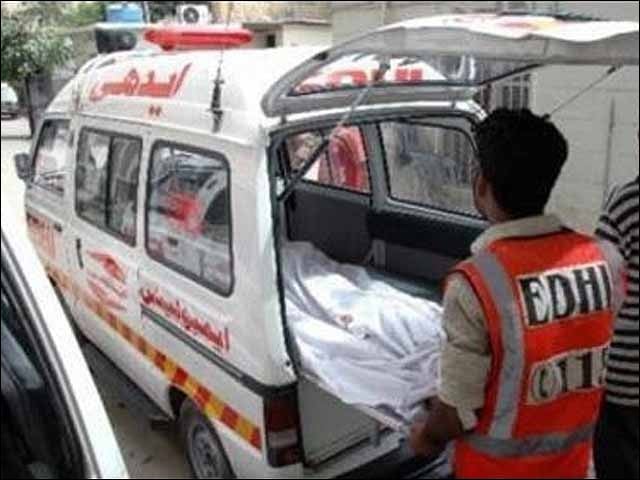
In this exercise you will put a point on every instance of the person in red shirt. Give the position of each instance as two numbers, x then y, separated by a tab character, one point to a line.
346	164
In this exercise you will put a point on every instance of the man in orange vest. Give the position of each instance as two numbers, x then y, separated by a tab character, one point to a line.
528	320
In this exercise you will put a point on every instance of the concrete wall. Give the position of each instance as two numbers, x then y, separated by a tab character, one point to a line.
601	126
271	11
353	18
295	35
259	40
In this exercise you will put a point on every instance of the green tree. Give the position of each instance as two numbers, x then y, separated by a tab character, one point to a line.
81	14
63	14
29	50
42	13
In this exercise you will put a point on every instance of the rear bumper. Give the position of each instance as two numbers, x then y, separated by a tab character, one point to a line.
402	463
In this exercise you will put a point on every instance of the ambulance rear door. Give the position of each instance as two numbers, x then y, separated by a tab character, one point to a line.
448	58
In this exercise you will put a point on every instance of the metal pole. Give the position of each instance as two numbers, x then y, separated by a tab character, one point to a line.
146	12
609	156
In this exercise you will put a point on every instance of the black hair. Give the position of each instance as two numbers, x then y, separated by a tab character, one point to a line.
521	156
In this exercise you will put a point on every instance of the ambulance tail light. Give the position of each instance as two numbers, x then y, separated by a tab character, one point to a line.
282	427
184	37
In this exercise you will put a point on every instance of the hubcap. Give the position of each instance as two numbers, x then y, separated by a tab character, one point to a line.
205	454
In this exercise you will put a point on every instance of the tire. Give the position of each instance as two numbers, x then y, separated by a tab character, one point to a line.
201	444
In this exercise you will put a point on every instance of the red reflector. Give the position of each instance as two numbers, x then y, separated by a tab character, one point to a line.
281	414
191	37
282	425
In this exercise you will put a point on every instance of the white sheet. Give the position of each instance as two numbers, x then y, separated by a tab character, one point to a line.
368	342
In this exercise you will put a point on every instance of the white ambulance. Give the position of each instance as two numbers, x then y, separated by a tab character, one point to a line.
168	192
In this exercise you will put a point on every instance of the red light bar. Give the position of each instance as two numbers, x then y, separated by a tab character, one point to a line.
197	37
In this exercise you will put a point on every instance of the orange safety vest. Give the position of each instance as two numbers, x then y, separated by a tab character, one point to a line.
548	303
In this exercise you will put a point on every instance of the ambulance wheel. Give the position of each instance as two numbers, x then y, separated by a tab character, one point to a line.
201	443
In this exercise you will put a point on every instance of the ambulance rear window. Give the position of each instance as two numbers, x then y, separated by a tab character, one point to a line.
188	214
429	166
344	164
357	70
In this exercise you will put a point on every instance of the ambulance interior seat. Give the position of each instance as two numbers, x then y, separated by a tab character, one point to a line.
345	229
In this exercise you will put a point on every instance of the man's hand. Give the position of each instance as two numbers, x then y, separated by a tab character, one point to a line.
430	436
420	442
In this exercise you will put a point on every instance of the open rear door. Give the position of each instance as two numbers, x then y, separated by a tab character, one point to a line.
447	57
441	59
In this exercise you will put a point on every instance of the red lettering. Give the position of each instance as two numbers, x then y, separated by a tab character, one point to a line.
356	78
409	75
132	86
189	322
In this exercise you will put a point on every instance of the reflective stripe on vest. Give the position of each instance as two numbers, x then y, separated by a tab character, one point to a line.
533	445
499	286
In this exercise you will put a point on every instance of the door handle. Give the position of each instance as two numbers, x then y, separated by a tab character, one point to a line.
79	253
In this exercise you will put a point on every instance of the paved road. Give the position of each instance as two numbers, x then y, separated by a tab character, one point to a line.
148	453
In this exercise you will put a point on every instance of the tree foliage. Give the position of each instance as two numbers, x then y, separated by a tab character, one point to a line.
81	14
29	49
63	15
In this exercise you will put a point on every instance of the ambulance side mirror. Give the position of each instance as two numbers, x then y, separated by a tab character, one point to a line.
23	166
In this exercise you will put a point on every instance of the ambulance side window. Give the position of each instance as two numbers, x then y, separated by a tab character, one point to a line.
343	165
50	158
91	177
123	187
188	214
430	166
107	180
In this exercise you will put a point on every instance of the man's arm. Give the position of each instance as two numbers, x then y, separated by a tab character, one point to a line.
464	368
429	437
608	229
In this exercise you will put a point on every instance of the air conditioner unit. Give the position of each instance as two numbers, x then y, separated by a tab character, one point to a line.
194	14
